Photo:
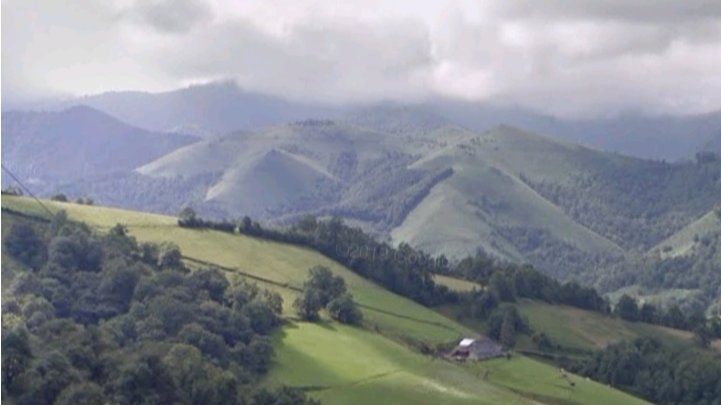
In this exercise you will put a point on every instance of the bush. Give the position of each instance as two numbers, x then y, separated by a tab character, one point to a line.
25	245
343	309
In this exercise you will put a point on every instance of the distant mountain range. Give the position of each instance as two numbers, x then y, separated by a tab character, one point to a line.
221	108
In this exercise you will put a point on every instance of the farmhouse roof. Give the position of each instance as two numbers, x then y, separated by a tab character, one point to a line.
466	342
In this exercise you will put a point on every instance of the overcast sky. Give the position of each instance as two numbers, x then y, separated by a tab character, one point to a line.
574	57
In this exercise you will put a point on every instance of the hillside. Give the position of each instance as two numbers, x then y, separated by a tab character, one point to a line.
486	199
380	365
399	173
341	168
582	330
683	268
404	175
310	166
686	240
80	143
575	330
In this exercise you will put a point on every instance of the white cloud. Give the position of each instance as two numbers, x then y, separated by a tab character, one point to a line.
579	57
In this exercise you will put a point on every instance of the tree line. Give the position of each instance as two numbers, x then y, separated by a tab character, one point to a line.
403	270
408	271
657	372
705	329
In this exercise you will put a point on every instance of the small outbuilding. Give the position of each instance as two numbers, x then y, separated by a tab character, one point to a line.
479	348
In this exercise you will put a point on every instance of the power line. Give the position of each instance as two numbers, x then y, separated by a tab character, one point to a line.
27	190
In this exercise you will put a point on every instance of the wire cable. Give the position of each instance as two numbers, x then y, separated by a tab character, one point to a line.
27	190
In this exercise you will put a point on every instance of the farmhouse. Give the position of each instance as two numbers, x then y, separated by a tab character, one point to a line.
476	349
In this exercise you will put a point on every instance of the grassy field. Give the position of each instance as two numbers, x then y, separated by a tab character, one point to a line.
348	365
340	364
586	330
543	383
281	263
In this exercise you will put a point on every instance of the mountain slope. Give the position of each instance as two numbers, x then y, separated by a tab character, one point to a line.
294	168
684	241
337	363
681	269
517	195
486	201
78	143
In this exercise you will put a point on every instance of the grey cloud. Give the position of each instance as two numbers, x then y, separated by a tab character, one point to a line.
583	67
564	57
171	16
336	62
666	11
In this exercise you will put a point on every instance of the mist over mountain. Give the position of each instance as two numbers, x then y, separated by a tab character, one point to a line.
204	110
223	107
713	145
660	137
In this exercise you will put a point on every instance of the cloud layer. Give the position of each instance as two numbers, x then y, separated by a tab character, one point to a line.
566	58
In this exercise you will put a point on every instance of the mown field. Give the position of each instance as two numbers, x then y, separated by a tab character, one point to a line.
336	363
